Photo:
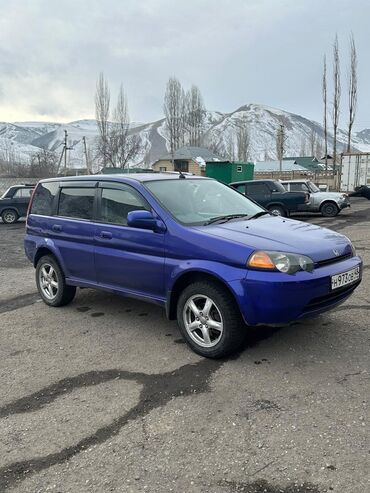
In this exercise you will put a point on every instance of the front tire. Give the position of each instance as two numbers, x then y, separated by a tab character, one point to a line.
329	209
277	210
9	216
51	283
209	320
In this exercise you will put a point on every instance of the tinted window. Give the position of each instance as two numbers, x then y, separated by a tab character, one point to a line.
23	192
76	202
240	188
116	204
257	189
43	199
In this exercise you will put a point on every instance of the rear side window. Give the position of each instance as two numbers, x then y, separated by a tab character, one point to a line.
76	202
298	187
257	189
23	193
44	197
117	203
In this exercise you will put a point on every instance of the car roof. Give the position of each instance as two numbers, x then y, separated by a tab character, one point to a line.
295	181
251	181
139	177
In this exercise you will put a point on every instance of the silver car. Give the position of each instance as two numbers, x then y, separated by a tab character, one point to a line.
329	204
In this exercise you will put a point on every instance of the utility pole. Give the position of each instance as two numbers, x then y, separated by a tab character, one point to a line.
65	152
86	156
280	141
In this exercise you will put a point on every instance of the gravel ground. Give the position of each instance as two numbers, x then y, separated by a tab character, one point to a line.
103	396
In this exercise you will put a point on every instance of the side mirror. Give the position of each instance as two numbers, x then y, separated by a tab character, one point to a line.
145	220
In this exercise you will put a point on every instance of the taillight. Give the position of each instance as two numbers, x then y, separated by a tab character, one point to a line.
30	203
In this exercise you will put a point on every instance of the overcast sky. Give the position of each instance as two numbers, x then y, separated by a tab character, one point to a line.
236	51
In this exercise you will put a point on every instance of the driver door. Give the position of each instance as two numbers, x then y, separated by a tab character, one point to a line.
127	258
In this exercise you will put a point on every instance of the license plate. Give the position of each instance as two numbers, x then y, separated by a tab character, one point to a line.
340	280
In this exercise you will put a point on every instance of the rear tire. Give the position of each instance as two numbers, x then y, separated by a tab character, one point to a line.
51	283
329	209
209	320
9	216
277	210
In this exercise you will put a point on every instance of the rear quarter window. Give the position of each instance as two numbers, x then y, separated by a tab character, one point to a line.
76	202
43	198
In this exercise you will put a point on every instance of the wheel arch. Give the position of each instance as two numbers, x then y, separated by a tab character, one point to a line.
330	201
187	278
42	251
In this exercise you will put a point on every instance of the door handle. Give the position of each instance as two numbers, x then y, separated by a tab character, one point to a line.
57	228
106	235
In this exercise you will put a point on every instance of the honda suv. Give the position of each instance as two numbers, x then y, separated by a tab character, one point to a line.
214	259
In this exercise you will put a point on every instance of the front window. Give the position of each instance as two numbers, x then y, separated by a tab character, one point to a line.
117	203
196	201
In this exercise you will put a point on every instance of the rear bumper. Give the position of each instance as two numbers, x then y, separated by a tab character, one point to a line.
270	298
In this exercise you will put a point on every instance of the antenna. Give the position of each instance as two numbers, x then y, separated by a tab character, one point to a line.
181	175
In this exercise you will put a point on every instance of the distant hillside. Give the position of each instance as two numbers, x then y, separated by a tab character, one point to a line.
24	138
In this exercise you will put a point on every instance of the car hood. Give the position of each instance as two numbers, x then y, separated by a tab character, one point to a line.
282	234
328	195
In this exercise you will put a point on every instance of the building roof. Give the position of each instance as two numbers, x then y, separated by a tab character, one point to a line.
290	165
308	162
195	153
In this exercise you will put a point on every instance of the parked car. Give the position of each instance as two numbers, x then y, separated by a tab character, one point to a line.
362	191
214	259
329	204
272	195
14	203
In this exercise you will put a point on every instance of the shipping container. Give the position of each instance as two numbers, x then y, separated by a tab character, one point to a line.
355	171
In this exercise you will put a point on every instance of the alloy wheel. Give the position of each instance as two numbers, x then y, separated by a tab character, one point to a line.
203	320
49	283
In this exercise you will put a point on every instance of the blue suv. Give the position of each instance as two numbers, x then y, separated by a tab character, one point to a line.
213	258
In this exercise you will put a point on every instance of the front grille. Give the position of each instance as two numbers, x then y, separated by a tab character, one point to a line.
333	260
331	298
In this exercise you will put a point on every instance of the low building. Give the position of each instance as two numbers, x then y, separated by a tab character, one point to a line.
311	163
229	171
186	159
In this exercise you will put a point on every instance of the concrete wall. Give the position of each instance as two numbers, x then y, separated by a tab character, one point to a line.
318	178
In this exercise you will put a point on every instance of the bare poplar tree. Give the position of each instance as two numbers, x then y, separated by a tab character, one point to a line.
352	89
122	147
173	107
116	146
325	101
243	139
313	142
336	97
102	111
195	113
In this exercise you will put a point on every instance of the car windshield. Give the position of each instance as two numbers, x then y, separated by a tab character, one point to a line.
197	201
313	187
5	193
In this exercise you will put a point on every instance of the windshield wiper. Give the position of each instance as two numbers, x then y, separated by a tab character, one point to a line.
224	218
259	214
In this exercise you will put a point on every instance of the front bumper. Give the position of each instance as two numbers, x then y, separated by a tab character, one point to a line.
272	298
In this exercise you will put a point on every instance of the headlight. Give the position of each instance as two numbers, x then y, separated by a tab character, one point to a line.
289	263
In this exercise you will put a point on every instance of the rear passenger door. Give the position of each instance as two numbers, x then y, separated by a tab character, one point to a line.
259	192
21	200
127	258
72	229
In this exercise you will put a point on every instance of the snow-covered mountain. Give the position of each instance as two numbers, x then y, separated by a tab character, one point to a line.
21	139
